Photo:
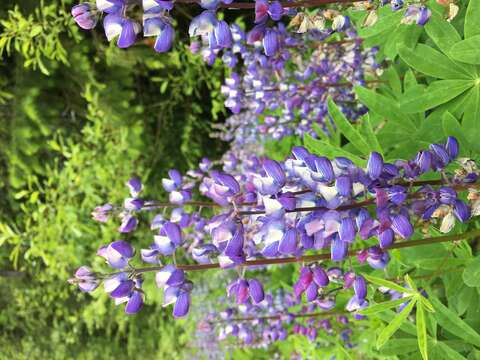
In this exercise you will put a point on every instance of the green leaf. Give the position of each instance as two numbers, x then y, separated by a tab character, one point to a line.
393	326
471	274
426	303
446	352
453	324
324	148
467	51
388	284
471	118
384	23
406	327
442	33
375	308
432	63
397	347
393	80
370	134
472	19
451	127
347	129
384	106
437	93
421	331
410	283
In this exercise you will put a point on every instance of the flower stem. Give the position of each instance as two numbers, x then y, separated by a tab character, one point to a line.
318	257
295	4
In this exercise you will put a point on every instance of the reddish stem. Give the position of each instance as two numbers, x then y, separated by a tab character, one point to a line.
318	257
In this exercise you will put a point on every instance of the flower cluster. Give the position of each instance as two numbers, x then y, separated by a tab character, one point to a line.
270	209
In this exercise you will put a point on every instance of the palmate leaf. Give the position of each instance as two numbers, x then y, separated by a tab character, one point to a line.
347	129
471	118
370	137
472	19
451	127
432	63
393	326
442	33
389	284
375	308
437	93
387	20
386	107
467	51
324	148
441	350
448	320
421	330
471	274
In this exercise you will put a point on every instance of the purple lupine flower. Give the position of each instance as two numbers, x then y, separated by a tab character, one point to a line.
117	254
360	287
85	279
170	276
242	290
180	297
169	238
209	4
85	16
402	226
452	147
289	243
203	24
111	6
461	211
375	165
156	6
261	11
275	10
125	29
270	42
118	285
102	213
223	35
129	223
396	4
339	249
165	39
134	298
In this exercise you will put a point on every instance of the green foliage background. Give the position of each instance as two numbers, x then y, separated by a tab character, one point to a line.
77	118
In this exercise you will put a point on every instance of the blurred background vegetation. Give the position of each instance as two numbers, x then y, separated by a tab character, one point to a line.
78	118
